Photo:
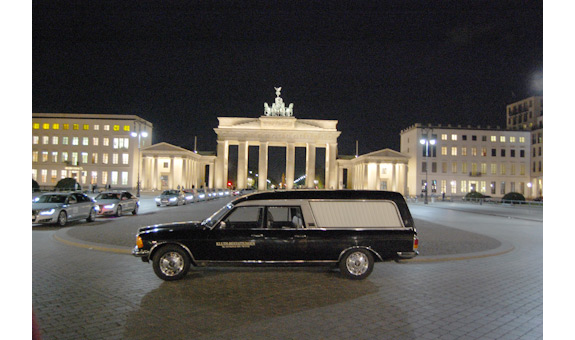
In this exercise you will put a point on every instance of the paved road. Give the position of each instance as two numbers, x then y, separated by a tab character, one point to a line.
81	293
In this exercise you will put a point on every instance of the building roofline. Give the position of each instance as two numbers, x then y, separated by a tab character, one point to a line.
459	127
91	116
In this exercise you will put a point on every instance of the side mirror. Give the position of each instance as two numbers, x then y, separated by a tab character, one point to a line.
222	225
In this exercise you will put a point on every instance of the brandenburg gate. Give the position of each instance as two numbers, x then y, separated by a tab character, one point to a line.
277	127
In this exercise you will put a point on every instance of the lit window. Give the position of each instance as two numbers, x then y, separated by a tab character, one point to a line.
44	156
64	156
483	168
473	152
35	139
464	168
494	169
512	139
494	138
74	140
104	177
114	178
44	174
34	156
54	156
105	158
55	126
116	127
55	140
94	158
463	151
106	141
85	141
84	157
453	137
45	140
95	141
106	127
453	151
115	158
64	140
46	126
76	127
521	139
86	127
36	126
124	178
444	136
444	150
96	127
125	158
127	128
502	139
66	126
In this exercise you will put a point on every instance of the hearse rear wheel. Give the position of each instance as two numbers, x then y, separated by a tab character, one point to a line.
171	263
356	264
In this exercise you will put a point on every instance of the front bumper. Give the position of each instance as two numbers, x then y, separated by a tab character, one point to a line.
141	253
40	216
43	219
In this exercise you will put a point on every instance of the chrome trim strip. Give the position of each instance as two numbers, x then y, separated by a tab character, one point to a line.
271	262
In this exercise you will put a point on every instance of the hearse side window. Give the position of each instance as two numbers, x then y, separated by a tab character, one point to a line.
284	218
245	218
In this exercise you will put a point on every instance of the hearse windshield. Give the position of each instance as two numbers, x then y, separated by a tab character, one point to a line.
217	216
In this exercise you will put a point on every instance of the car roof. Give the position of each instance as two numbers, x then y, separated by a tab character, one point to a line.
323	194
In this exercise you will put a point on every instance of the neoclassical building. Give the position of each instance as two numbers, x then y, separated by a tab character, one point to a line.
131	159
379	170
167	166
279	128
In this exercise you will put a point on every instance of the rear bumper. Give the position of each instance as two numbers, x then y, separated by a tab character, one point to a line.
405	255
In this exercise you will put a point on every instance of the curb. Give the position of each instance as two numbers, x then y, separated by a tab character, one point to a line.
91	245
504	248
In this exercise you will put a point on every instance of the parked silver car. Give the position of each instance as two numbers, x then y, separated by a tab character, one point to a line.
171	197
63	207
117	202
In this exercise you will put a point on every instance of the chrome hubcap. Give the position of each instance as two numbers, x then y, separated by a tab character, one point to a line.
357	263
171	263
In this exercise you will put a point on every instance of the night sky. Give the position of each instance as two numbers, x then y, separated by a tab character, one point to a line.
375	69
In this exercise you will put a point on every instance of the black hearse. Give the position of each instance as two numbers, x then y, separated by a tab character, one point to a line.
349	228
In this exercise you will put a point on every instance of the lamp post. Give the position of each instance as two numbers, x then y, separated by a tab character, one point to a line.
427	141
140	134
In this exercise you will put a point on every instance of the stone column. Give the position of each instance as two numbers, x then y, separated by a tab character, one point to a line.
155	172
290	165
310	165
394	180
263	166
242	177
172	179
222	164
331	166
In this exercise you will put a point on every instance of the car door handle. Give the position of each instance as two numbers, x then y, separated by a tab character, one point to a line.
300	236
257	235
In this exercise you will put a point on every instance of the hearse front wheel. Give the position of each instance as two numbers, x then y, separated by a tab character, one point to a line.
171	263
356	264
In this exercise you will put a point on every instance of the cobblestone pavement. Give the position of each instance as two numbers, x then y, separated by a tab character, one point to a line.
80	293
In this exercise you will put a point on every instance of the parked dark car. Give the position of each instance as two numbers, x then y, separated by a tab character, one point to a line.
350	229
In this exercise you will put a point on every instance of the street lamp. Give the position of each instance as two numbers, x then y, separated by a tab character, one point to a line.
427	141
140	135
